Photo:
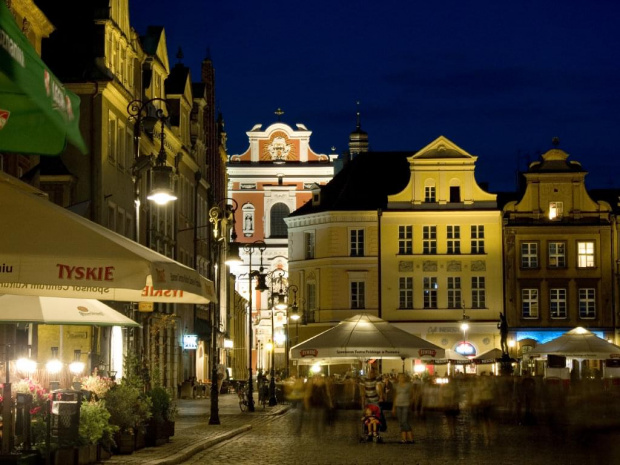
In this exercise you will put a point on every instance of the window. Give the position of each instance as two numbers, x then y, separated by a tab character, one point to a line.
429	194
429	240
455	194
585	254
556	209
454	239
112	138
310	301
587	303
357	294
122	146
356	246
405	291
430	292
278	227
557	255
529	255
477	239
529	303
309	245
405	240
557	303
478	293
454	292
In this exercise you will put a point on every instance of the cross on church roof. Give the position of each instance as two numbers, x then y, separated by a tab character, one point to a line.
279	113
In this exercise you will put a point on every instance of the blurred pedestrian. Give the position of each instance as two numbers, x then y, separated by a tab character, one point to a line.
403	398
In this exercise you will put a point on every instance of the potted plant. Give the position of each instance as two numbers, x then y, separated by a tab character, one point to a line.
129	409
95	431
163	413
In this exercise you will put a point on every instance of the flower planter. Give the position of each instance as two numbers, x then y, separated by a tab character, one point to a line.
140	437
159	432
125	443
87	454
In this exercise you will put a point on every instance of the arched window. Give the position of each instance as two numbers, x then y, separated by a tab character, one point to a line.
278	227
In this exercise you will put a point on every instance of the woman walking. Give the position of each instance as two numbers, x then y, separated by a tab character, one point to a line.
403	393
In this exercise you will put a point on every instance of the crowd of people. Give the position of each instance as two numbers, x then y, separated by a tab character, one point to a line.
407	399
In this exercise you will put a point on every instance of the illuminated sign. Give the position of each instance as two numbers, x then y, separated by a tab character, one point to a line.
465	348
190	341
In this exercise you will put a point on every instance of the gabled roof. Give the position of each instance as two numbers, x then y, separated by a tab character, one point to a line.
177	80
555	161
441	148
363	184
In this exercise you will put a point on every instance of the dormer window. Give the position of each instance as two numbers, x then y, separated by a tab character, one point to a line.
429	194
556	210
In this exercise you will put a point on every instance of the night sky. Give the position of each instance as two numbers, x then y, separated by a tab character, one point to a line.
499	79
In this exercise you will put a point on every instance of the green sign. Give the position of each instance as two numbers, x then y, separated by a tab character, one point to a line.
37	114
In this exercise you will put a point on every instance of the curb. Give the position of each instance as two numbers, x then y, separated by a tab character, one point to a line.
188	452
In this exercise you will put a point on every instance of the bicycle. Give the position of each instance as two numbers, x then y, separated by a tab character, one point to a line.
242	393
263	394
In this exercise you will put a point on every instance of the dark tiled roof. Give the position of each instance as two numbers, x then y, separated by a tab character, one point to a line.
175	84
363	184
151	39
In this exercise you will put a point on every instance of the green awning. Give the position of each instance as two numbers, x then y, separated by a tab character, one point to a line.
37	114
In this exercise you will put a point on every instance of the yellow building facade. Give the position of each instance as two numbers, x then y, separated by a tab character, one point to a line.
560	258
441	253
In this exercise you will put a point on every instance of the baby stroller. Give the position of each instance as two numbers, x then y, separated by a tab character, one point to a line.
373	424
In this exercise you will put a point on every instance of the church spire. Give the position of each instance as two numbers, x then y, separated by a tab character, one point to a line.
358	139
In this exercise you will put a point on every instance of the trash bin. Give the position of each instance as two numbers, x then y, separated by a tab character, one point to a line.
65	417
22	418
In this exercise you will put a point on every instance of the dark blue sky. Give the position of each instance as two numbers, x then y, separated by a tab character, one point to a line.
500	79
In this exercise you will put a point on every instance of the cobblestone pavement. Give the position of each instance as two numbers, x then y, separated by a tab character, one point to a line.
193	433
275	441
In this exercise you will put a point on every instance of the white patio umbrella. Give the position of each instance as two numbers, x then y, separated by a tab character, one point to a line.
577	343
364	337
490	356
452	357
49	251
60	311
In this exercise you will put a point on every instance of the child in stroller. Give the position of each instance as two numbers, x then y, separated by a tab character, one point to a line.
373	422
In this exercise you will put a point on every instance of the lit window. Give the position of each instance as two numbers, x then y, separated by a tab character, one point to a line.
556	209
529	303
585	254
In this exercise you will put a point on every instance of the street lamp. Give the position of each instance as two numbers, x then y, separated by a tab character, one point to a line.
249	248
220	217
294	316
145	115
278	300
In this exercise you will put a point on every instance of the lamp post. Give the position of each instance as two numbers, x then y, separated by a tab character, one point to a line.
144	114
278	300
294	316
249	248
220	217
